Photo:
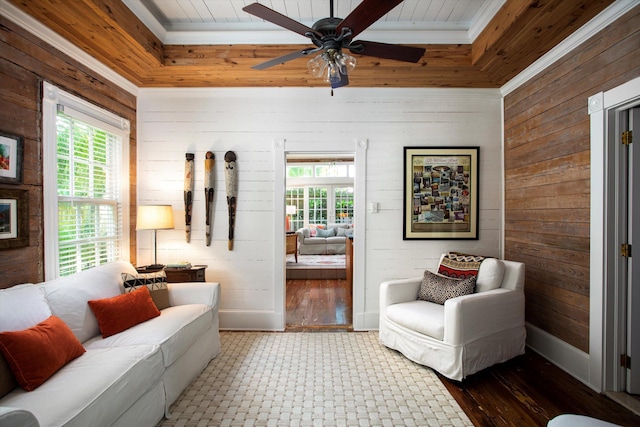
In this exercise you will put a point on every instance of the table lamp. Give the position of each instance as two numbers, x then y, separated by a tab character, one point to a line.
155	217
291	210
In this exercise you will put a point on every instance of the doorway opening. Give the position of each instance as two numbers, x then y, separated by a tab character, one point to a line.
319	221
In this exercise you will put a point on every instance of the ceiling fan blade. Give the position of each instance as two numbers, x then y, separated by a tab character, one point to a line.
367	12
282	59
261	11
388	51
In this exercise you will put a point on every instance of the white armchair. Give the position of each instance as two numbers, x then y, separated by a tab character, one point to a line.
466	334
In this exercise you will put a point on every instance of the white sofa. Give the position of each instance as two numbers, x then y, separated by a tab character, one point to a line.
127	379
331	245
466	334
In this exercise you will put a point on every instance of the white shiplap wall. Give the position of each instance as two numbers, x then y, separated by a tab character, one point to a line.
254	122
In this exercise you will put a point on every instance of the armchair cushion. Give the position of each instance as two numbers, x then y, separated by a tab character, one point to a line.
436	288
419	316
490	275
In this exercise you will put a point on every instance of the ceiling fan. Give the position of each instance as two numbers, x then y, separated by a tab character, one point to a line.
333	35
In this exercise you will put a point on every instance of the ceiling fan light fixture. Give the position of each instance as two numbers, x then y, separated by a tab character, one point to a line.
331	64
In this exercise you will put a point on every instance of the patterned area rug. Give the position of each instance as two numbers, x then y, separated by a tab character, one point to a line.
313	379
316	261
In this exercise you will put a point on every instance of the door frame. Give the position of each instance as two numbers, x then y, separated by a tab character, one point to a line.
281	147
604	341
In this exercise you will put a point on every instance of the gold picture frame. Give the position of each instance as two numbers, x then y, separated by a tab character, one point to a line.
441	193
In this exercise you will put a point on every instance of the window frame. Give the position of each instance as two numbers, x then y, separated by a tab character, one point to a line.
54	98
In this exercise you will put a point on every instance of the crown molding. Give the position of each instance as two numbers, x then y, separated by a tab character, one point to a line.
604	18
38	29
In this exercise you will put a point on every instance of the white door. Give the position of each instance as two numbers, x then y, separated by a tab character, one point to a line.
633	306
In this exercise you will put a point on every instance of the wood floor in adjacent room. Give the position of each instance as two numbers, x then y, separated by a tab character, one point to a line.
526	391
319	304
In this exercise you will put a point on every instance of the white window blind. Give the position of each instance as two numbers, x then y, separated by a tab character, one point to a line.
86	182
88	160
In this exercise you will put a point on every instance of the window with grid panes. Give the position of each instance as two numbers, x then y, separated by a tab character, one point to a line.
89	192
295	197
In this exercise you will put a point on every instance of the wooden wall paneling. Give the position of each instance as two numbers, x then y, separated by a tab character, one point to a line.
25	61
547	158
529	100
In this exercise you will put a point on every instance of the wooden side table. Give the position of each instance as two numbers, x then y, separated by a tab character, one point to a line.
292	245
193	274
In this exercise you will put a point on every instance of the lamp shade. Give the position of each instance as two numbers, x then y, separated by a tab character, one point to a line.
291	209
155	217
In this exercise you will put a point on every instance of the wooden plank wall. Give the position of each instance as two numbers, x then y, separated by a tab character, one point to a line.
25	61
172	122
547	176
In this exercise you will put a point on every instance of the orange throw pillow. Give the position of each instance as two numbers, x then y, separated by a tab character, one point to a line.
121	312
37	353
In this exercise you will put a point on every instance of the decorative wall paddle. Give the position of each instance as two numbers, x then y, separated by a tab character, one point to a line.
209	182
188	193
231	183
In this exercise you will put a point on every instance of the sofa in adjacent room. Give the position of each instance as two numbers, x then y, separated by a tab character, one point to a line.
128	378
324	241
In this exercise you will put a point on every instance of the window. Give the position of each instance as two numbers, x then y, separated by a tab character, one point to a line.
86	201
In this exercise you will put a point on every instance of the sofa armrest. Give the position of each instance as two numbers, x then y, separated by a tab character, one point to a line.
396	291
475	316
194	293
14	417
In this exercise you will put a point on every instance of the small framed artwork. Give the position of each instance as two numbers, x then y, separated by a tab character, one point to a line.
14	218
11	148
441	193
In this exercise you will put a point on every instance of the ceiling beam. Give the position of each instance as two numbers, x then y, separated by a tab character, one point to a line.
520	33
523	31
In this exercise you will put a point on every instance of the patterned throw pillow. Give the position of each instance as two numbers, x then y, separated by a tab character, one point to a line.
460	266
155	282
438	289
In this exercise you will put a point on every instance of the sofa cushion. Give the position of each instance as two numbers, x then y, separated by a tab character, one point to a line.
92	390
121	312
436	288
490	275
156	282
459	266
22	307
421	316
315	241
175	331
68	295
36	353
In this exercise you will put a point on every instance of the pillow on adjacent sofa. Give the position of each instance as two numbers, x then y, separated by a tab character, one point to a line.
156	283
437	289
325	233
36	353
121	312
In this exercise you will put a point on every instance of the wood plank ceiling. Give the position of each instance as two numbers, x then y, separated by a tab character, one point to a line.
517	35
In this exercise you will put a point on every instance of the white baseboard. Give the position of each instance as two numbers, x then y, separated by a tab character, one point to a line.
243	320
568	358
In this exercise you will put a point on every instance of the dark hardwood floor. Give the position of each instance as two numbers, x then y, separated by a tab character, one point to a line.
319	304
526	391
529	391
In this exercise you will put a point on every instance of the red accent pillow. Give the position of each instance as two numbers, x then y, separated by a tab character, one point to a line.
37	353
121	312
